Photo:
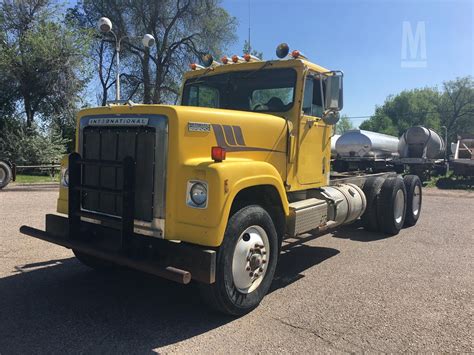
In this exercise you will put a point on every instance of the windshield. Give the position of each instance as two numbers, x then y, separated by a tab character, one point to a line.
269	90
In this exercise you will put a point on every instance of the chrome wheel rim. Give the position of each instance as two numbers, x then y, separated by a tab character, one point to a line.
399	206
416	202
2	175
250	259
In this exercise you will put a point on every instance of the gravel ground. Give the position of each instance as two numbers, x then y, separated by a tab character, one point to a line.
349	291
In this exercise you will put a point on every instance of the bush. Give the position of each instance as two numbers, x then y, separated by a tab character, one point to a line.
29	147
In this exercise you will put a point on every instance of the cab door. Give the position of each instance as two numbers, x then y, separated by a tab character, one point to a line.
314	136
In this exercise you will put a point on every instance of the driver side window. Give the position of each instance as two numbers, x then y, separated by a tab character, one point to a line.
313	96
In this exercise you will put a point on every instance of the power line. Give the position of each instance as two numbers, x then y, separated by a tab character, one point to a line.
400	114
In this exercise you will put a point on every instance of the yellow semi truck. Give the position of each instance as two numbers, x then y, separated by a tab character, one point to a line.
207	190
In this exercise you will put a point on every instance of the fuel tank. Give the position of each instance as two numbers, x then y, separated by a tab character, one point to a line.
421	142
366	144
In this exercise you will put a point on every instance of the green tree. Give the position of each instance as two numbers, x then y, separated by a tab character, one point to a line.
452	107
456	107
184	30
41	59
250	50
344	125
404	110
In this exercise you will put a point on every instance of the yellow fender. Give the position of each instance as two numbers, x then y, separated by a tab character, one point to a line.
226	180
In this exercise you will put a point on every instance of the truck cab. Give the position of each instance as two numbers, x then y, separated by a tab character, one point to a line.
207	190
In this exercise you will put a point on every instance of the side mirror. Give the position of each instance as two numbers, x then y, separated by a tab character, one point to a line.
334	97
331	117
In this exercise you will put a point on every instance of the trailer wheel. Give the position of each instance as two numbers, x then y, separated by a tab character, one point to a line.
391	205
93	262
246	262
371	189
414	197
5	174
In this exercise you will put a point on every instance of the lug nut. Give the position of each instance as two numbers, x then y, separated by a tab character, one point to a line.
261	269
248	268
264	261
264	252
251	274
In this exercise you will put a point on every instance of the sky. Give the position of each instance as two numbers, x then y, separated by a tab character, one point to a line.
382	46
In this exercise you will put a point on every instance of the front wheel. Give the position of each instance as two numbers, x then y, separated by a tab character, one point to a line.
246	262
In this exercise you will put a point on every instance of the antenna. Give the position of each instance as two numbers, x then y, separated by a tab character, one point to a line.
250	47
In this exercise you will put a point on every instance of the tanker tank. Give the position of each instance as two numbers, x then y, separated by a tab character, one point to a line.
334	139
360	144
421	142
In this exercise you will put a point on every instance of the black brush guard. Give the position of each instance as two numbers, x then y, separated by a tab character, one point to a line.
112	238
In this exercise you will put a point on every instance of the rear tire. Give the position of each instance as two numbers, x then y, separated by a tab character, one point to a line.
371	190
240	255
391	205
414	198
5	174
93	262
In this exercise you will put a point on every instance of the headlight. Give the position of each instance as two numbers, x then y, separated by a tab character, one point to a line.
64	177
197	194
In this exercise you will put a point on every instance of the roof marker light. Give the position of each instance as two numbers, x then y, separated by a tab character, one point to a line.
295	54
251	58
195	66
224	60
236	59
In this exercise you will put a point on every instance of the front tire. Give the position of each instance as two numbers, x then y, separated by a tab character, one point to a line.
246	262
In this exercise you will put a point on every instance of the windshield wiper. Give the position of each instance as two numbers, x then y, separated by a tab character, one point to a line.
266	64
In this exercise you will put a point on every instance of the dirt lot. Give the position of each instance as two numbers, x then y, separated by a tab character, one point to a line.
349	291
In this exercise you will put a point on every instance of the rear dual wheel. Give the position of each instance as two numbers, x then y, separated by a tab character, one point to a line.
392	203
414	197
246	262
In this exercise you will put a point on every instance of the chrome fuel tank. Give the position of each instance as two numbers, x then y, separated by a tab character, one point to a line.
421	142
366	144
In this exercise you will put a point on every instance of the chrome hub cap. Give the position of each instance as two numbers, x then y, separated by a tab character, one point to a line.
399	206
249	263
416	202
2	175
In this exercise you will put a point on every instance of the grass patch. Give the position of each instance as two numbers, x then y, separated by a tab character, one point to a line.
35	179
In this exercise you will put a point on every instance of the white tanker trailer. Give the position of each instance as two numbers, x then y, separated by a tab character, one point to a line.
360	144
334	139
421	143
365	150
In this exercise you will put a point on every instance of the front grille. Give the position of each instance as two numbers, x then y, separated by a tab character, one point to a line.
114	144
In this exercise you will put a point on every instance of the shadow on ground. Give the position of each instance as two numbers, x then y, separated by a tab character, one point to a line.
356	232
61	306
